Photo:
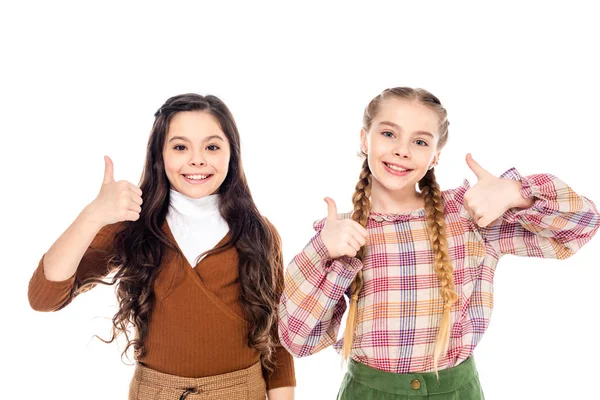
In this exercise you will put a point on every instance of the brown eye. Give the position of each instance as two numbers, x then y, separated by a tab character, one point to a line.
179	147
213	147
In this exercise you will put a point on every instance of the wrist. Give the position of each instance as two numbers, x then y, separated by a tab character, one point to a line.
518	201
320	246
88	217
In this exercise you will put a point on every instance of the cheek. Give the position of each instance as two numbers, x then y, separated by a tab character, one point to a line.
224	165
377	148
172	165
223	162
425	154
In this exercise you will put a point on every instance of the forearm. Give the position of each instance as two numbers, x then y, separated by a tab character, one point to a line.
313	299
63	257
545	218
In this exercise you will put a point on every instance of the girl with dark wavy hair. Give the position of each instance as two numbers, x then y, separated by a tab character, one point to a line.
417	263
198	270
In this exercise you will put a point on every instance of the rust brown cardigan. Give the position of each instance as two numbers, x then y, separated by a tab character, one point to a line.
197	327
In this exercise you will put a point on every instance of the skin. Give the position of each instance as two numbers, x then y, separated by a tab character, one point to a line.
405	133
116	201
402	133
491	196
196	145
282	393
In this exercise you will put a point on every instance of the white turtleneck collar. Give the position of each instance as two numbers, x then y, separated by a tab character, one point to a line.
196	224
195	208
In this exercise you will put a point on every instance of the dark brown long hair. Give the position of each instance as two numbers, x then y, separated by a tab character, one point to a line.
139	247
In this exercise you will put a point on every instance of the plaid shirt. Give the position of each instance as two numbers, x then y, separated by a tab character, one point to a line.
400	307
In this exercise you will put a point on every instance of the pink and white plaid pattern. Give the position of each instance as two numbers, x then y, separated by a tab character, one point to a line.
400	308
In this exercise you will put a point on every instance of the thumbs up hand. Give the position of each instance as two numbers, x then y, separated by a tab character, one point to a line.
342	237
117	201
491	196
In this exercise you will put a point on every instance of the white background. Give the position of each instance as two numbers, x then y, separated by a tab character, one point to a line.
79	81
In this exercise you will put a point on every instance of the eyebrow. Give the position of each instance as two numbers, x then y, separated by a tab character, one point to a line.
397	127
188	140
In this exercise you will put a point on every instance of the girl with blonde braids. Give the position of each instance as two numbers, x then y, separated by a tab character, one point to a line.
418	264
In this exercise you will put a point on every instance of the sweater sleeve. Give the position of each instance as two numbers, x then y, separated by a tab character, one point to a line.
312	304
557	225
45	295
284	373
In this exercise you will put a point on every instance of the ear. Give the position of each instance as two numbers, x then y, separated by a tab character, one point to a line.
364	146
435	159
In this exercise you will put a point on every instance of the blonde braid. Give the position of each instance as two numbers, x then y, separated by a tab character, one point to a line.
434	206
362	208
434	209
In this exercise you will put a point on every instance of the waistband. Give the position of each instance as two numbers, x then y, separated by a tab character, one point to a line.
247	378
422	384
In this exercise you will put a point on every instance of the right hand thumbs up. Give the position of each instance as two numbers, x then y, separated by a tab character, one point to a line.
117	201
109	176
342	237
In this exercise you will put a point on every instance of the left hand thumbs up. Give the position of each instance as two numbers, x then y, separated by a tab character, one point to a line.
480	173
491	196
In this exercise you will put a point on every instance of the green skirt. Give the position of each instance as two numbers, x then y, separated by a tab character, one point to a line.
366	383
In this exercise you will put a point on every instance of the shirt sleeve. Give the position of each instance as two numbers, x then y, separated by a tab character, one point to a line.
557	225
312	304
45	295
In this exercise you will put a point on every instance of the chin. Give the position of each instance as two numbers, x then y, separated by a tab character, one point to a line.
197	195
190	192
393	188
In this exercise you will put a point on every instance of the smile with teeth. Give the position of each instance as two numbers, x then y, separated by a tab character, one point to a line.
197	177
396	168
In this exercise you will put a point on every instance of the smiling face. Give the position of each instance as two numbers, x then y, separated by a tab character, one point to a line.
401	145
196	154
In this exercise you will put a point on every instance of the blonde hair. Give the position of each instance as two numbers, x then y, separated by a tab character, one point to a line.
434	211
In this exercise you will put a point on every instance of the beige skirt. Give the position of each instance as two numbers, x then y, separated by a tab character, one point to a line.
245	384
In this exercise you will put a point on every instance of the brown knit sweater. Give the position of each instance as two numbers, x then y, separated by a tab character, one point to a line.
197	327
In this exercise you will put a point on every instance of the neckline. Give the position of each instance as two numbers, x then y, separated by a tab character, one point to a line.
402	216
197	279
195	208
187	263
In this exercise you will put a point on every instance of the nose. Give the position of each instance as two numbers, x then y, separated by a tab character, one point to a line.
402	150
197	160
